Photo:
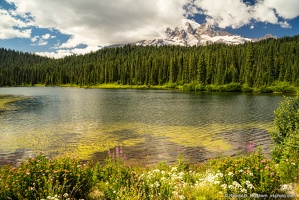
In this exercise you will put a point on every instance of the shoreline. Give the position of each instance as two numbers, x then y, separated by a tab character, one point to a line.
232	87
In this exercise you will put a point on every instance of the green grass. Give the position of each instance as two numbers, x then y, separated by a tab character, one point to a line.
276	87
68	178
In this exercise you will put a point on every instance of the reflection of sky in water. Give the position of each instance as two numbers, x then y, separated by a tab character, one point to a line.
86	121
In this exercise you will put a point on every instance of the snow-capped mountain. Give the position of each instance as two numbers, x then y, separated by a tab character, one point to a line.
191	33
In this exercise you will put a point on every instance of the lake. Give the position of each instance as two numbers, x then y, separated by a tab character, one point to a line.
148	125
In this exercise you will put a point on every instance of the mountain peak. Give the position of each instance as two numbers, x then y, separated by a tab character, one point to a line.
191	33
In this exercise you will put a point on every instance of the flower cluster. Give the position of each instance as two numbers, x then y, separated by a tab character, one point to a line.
248	174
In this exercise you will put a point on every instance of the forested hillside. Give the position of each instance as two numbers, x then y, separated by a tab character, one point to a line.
250	64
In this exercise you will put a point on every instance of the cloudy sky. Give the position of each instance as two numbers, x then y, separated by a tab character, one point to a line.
63	27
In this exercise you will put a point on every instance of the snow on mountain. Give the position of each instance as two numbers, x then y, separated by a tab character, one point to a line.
190	33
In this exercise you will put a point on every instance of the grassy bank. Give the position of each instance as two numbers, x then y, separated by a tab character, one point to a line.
246	176
277	87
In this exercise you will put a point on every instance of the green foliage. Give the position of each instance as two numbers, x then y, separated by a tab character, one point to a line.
252	64
65	178
246	88
265	89
286	138
247	174
282	87
40	177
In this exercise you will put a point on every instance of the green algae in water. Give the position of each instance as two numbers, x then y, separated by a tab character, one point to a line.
6	100
87	138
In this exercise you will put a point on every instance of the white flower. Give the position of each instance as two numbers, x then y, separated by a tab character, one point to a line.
181	174
174	169
157	184
293	163
216	182
241	170
156	170
219	174
230	174
65	195
244	190
231	187
224	186
181	197
249	185
236	184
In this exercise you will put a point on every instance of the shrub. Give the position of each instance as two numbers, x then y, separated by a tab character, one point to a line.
283	87
233	87
265	89
286	138
41	177
247	174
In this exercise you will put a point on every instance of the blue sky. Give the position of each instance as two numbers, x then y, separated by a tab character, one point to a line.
64	27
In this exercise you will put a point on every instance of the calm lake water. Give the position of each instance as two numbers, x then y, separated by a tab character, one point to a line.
148	125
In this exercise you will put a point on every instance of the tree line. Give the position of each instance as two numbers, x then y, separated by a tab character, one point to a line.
251	64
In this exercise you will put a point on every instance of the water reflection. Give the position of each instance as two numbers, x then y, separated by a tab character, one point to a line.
149	124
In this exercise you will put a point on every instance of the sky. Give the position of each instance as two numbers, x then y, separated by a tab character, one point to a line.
59	28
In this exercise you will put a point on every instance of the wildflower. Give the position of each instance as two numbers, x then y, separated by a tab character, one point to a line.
244	190
65	195
236	184
157	184
156	170
219	174
230	174
181	197
174	169
216	182
241	170
181	174
231	187
293	163
223	186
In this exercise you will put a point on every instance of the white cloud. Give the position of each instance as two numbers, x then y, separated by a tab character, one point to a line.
46	36
11	27
285	24
95	23
286	9
232	13
67	52
105	22
236	13
34	39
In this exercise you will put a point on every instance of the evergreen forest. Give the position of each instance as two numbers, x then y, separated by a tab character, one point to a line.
250	65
